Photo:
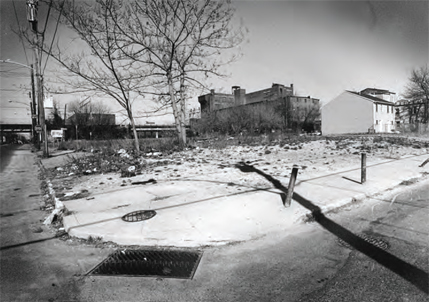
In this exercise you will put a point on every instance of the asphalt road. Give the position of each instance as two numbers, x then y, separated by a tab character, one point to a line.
306	263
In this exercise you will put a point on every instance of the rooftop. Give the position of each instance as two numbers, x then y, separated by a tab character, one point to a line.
372	98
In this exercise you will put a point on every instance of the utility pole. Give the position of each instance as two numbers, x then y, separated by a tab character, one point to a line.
33	110
32	18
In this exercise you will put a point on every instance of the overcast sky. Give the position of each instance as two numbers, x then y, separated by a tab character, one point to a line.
322	47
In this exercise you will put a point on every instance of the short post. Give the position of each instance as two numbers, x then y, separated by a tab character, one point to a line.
363	169
291	187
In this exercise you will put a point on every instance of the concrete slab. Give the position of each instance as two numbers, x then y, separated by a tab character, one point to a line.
209	211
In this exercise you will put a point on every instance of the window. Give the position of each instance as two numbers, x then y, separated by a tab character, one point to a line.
376	107
376	122
388	108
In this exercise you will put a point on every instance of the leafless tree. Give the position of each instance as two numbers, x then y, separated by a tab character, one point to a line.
181	41
89	113
100	67
417	94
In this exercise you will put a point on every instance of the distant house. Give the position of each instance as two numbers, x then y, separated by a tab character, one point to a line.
370	110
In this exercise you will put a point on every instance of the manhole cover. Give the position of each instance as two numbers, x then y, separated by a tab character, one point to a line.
139	215
380	243
150	263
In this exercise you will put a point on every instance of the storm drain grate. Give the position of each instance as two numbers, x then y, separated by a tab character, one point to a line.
380	243
150	263
139	215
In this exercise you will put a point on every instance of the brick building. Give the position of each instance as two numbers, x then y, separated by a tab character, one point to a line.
294	110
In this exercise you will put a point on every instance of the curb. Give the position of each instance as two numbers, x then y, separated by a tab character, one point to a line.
346	202
59	206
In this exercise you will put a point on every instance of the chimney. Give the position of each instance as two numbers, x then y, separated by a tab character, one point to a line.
239	95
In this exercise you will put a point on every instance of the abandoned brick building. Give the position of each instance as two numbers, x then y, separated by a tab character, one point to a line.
293	111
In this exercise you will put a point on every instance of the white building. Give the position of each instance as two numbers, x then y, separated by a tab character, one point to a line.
359	112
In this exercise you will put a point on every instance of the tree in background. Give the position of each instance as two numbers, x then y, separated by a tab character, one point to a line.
416	107
55	121
100	66
89	116
181	41
296	118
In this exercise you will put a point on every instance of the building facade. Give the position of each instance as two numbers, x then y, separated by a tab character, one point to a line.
359	112
279	100
216	101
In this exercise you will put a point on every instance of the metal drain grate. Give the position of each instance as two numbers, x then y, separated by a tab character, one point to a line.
150	263
139	215
380	243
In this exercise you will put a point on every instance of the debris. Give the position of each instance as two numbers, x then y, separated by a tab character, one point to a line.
144	182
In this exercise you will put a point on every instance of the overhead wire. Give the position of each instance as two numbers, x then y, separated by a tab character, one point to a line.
20	38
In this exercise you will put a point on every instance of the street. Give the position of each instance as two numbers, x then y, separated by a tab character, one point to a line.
305	263
35	266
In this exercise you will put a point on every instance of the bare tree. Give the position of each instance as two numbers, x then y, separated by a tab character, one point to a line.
417	94
55	120
181	41
100	68
296	118
89	113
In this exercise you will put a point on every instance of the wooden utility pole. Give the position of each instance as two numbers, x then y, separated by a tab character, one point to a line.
34	115
32	18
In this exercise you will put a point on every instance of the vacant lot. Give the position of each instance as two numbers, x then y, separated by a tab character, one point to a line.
99	169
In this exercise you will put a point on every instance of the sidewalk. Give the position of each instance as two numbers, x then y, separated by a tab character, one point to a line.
195	212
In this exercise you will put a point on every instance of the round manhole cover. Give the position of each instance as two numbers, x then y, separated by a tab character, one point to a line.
139	215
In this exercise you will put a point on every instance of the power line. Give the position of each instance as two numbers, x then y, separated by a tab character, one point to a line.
20	38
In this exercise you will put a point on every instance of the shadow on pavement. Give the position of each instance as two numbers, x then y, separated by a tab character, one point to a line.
26	243
412	274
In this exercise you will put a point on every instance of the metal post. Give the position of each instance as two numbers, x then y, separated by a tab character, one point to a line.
291	187
363	168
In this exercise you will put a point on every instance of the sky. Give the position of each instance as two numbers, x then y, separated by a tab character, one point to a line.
322	47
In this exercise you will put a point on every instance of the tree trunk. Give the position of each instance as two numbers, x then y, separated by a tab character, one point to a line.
136	138
183	110
176	113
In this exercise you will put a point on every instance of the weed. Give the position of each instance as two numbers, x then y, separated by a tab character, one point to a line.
94	240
